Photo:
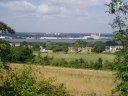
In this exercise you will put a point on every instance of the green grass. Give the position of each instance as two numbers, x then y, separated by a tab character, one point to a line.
88	57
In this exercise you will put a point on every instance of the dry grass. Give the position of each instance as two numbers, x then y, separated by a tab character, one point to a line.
80	82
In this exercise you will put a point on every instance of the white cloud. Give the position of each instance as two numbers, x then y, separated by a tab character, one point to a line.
69	15
76	3
45	9
19	5
64	8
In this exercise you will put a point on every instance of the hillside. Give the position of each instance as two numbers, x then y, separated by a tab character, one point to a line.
78	81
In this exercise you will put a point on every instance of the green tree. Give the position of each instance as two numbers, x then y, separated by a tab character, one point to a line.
4	42
5	28
36	47
119	8
80	43
39	59
4	46
98	47
24	43
22	54
110	43
5	53
98	64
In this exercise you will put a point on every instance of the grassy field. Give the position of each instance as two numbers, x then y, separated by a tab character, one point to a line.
78	81
88	57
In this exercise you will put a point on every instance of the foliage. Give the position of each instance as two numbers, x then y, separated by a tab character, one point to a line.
57	47
76	63
121	64
80	43
5	28
4	42
38	59
98	47
15	54
24	84
5	52
36	47
21	54
53	90
119	8
108	65
98	65
24	43
110	43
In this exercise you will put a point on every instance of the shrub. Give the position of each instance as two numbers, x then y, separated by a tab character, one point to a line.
24	84
98	64
21	54
108	65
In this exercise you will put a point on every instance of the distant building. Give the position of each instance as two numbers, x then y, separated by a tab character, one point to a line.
46	51
14	44
86	50
11	44
2	37
113	49
17	44
93	36
72	49
80	49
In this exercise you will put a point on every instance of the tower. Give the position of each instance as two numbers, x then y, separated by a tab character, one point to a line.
99	35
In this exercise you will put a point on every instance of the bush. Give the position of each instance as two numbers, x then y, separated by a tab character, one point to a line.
98	65
98	47
108	65
5	53
76	63
24	84
22	54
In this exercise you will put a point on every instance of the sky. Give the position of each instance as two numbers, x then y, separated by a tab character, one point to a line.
61	16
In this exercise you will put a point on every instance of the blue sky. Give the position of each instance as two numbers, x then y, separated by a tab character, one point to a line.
75	16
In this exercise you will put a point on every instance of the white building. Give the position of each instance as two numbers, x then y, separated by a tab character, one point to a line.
113	49
2	37
46	51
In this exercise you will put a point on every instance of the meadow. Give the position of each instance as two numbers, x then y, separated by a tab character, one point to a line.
71	56
79	82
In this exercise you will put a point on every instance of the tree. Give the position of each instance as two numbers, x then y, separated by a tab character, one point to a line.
36	47
119	8
110	43
4	46
24	43
22	54
5	53
98	64
5	28
80	43
99	47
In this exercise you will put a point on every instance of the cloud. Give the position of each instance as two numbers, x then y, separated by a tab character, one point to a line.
63	8
12	0
56	15
66	8
19	5
45	9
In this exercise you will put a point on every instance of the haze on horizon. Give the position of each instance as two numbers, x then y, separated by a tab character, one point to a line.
62	16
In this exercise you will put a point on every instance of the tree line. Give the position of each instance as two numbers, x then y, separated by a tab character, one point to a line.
98	47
